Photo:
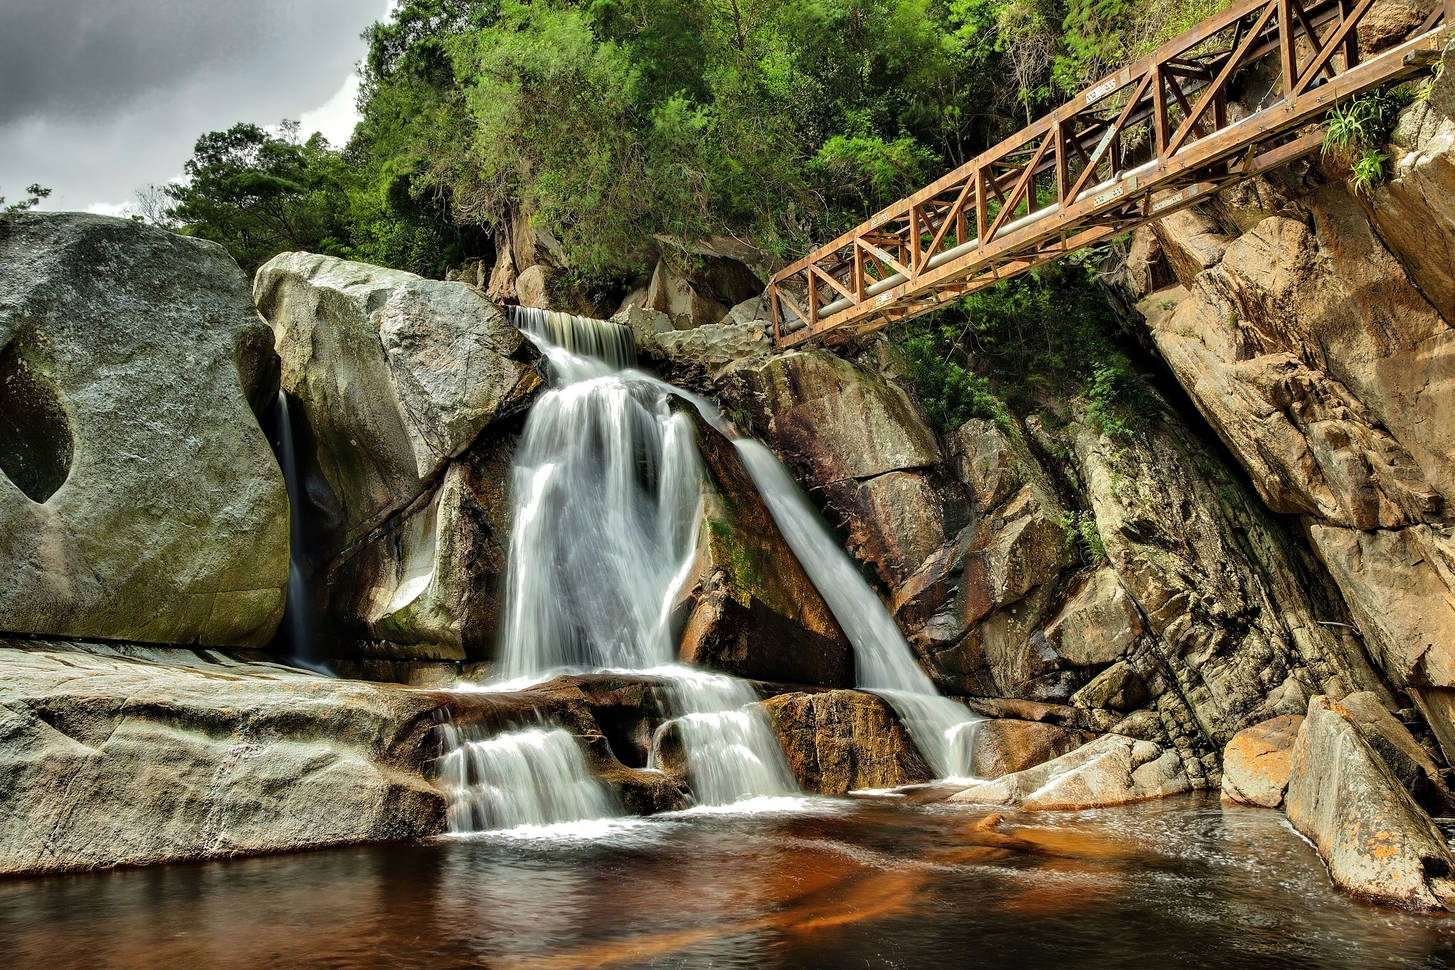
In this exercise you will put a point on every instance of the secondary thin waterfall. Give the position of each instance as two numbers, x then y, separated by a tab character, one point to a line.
299	607
883	661
535	776
607	489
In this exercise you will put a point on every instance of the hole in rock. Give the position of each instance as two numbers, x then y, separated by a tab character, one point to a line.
35	434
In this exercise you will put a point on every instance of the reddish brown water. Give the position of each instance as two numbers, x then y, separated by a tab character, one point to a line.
842	884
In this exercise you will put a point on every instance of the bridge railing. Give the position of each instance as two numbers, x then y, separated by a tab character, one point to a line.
1157	135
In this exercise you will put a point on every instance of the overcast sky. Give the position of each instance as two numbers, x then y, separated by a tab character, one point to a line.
101	97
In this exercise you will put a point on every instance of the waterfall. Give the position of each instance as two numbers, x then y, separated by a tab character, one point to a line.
729	744
299	608
535	776
607	491
580	337
883	661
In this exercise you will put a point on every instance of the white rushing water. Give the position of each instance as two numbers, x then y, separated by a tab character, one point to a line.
607	490
535	776
884	664
732	754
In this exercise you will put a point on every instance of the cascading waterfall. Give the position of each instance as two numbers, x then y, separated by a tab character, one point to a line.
535	776
941	727
298	607
607	490
731	751
607	487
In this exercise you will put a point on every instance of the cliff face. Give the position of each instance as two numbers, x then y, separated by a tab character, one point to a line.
1133	584
1288	534
1312	328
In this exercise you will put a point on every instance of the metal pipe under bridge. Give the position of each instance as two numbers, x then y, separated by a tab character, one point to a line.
1155	137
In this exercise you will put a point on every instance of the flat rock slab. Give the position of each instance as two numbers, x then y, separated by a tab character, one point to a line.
1112	770
119	756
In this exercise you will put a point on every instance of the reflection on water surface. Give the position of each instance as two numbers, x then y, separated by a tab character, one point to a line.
827	884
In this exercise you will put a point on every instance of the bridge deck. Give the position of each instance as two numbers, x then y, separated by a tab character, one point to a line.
1156	136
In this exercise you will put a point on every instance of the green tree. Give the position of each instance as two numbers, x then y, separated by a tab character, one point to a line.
259	194
34	193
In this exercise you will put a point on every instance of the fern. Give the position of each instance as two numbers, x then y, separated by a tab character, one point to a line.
1369	170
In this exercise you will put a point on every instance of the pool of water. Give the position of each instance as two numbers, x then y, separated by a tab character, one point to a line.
822	883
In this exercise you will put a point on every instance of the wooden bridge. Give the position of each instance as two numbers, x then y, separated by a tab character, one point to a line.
1154	137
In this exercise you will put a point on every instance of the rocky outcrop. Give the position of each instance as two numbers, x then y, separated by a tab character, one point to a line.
1257	762
693	359
123	756
1112	770
1004	746
1234	609
1376	841
1313	329
1132	580
859	438
973	607
404	388
395	374
698	283
750	608
139	499
845	740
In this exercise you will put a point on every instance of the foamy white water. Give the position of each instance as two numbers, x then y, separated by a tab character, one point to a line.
883	661
536	777
732	753
607	489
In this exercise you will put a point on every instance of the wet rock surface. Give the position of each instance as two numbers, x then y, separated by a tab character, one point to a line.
845	740
1376	841
749	608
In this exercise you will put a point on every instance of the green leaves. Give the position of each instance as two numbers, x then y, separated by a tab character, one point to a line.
1035	340
34	193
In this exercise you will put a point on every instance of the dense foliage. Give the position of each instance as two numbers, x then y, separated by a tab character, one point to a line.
615	121
1049	335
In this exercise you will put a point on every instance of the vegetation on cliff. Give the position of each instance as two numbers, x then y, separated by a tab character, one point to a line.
615	121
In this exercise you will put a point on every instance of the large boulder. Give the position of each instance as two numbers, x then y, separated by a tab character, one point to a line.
1112	770
129	757
424	585
1257	762
750	608
1376	841
1003	746
403	387
1397	748
139	499
395	375
845	740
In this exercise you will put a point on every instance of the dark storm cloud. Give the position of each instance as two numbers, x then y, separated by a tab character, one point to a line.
86	58
100	96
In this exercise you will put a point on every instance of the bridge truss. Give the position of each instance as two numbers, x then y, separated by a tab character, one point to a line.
1158	135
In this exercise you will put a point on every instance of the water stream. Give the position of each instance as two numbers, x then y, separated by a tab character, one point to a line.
607	487
942	728
535	776
303	648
